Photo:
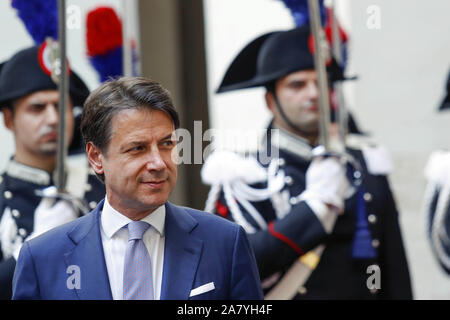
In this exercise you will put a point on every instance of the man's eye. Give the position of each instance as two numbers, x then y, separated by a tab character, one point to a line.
136	148
37	107
168	143
298	84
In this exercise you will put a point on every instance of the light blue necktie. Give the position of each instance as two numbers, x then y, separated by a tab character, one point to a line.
137	270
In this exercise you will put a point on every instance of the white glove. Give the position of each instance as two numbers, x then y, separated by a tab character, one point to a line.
50	213
326	182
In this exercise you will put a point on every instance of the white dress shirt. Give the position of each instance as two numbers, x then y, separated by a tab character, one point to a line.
115	240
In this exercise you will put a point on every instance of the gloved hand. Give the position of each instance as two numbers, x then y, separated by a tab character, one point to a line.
326	182
50	213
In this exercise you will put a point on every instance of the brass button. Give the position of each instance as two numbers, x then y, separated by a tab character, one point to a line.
8	194
372	218
375	243
367	197
302	290
22	232
15	213
288	180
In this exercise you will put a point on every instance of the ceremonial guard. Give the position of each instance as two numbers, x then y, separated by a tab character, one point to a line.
437	199
29	204
315	233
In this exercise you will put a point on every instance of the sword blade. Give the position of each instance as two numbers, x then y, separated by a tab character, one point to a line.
126	47
320	53
342	114
63	99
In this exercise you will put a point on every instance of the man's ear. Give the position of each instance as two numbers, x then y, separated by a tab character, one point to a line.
95	157
270	101
8	118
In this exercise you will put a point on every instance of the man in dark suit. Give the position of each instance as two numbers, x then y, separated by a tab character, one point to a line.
135	244
313	237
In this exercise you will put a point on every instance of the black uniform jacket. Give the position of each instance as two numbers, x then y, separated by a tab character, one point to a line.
18	196
338	275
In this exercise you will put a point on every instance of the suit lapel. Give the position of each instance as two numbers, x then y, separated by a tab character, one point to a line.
181	254
89	257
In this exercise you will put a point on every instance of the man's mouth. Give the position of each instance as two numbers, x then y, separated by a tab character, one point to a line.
50	137
155	184
313	108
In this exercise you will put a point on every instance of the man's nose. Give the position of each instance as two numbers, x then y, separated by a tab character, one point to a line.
313	90
155	162
51	114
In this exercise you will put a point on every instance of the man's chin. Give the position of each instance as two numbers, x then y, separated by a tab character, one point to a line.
151	206
49	149
310	127
155	200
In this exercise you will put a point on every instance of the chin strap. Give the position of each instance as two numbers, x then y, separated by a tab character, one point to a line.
286	119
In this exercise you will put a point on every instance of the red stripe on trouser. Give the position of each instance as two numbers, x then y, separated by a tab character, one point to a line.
285	239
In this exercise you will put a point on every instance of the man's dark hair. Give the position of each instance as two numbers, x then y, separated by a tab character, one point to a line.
117	95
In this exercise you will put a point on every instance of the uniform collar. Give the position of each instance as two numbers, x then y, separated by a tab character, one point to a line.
112	220
283	140
27	173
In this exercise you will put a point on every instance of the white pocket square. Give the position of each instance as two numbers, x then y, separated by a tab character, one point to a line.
202	289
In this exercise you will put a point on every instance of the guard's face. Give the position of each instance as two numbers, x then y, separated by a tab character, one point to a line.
138	167
34	123
298	96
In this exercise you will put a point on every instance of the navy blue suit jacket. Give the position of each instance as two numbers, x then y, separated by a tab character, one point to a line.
199	248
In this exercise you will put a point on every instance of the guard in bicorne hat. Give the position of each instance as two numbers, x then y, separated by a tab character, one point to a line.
437	198
314	235
29	100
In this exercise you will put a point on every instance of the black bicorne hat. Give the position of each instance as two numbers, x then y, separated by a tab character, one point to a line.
272	56
26	72
446	102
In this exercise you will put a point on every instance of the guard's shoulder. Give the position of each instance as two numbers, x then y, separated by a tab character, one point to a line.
226	166
376	156
82	182
77	169
360	141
